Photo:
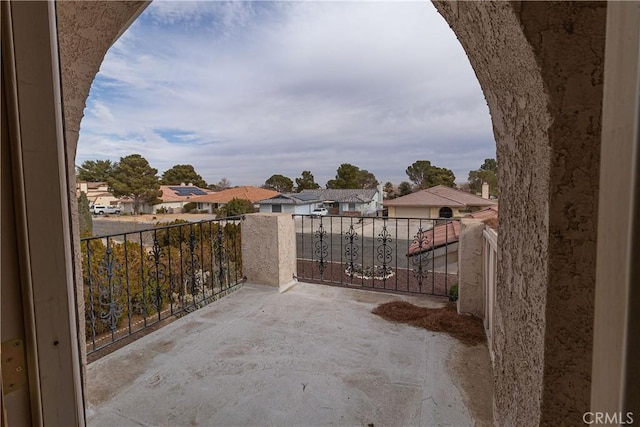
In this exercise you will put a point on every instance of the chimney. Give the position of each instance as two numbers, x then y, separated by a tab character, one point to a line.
485	190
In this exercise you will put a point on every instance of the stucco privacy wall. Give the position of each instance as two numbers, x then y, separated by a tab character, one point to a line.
86	30
470	264
540	66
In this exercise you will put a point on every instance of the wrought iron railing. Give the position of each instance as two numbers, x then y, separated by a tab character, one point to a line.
413	255
136	280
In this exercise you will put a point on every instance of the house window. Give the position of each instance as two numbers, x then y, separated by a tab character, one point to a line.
445	212
276	208
352	206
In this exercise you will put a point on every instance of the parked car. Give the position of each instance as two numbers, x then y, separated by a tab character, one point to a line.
103	209
319	212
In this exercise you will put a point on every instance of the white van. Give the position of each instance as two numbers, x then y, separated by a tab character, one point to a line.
102	209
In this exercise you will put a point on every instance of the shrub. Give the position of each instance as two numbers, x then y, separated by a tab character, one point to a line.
189	207
85	219
236	207
453	293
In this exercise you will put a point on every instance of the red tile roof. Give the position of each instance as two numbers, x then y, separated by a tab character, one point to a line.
253	194
445	234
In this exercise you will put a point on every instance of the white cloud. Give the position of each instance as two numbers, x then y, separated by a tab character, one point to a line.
246	90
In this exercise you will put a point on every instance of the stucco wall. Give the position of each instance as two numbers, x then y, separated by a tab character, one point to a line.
269	249
470	264
540	67
86	30
572	60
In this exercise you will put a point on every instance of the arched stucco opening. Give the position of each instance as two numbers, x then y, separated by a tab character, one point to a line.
445	212
540	66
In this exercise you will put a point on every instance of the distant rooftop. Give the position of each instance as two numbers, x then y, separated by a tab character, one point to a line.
253	194
291	199
357	195
440	195
179	193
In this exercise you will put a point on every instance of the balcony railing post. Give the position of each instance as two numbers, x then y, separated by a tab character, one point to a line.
269	249
470	280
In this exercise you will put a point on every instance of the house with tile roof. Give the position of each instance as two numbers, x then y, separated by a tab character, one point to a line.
293	203
172	199
436	202
213	201
97	193
337	201
356	201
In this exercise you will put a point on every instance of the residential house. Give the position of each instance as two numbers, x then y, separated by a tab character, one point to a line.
172	199
97	192
436	202
213	201
294	203
347	201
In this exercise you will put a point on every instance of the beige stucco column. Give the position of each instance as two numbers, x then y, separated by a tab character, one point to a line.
269	249
470	287
540	65
86	30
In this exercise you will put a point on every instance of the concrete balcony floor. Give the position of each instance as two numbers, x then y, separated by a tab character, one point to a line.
314	355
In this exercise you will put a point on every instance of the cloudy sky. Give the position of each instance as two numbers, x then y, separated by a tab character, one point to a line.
244	90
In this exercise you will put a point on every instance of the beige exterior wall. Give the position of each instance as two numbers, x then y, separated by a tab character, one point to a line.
540	65
104	200
470	263
421	212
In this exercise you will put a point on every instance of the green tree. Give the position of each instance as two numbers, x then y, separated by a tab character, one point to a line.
350	176
488	173
306	182
179	174
236	207
279	183
425	175
85	219
389	190
95	170
134	178
404	188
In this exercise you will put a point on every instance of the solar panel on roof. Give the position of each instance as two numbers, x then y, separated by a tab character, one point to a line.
188	191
